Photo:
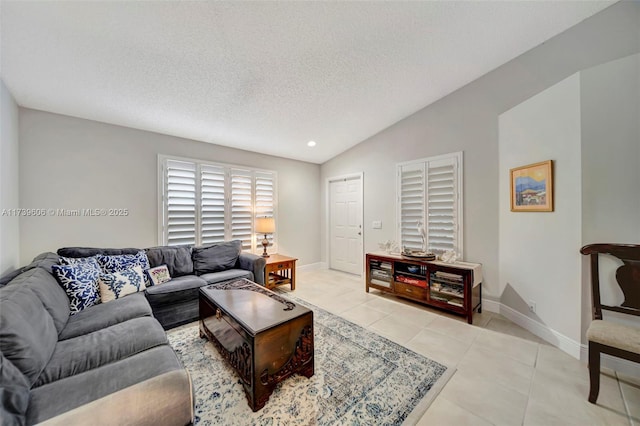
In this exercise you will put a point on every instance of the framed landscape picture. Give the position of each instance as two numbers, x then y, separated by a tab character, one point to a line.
532	187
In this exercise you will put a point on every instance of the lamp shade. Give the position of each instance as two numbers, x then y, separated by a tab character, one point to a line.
265	225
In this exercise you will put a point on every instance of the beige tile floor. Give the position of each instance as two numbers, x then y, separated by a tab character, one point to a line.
504	374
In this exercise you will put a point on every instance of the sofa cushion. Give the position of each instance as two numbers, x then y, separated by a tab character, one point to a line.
105	315
80	282
63	395
92	251
216	257
28	335
14	393
118	284
163	400
9	276
177	259
110	344
43	260
217	277
175	291
52	296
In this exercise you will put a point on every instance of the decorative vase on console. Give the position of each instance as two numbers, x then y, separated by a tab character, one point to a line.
423	234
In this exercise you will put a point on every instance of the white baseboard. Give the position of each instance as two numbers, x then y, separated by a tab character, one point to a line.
557	339
575	349
312	266
491	306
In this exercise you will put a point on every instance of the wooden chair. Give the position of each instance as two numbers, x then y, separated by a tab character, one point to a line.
611	337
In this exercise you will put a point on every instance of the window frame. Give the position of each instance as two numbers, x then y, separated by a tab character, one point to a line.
228	168
458	199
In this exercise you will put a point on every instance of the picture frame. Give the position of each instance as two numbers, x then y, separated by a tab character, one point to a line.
532	187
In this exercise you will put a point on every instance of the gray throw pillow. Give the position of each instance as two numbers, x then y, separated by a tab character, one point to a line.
177	259
216	257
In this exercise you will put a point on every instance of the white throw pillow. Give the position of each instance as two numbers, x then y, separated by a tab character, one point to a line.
118	284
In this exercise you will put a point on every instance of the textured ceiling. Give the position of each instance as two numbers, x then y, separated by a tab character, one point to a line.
263	76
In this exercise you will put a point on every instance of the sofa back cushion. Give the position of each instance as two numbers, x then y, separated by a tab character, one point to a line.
177	259
43	260
216	257
52	296
14	393
28	335
9	276
92	251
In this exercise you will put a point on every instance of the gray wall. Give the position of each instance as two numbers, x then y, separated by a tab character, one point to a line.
9	195
72	163
467	120
610	97
539	259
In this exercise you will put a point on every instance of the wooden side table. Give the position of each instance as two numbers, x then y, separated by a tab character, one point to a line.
280	270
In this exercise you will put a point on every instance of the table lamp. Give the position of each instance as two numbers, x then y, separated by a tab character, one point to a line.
265	225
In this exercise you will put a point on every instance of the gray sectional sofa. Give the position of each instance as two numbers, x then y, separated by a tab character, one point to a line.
176	302
52	363
110	363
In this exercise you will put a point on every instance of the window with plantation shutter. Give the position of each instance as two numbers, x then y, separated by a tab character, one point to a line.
180	204
205	203
242	207
411	204
430	203
442	205
212	204
264	207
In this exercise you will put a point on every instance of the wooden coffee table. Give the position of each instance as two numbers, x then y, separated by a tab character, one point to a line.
264	337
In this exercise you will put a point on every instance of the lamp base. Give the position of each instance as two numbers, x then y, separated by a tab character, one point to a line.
265	244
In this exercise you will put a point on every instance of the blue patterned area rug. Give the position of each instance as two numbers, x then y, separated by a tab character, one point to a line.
360	378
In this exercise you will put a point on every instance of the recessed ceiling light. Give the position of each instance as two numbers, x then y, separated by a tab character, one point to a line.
311	143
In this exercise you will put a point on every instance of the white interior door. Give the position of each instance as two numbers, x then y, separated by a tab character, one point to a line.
345	224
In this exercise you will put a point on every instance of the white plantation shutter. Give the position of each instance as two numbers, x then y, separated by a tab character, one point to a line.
265	200
411	194
205	203
430	191
242	207
180	203
442	206
212	202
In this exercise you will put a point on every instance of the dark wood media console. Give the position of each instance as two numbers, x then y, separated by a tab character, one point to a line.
454	287
264	337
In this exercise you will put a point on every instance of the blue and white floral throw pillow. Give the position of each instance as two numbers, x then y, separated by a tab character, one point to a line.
122	262
85	261
118	284
80	282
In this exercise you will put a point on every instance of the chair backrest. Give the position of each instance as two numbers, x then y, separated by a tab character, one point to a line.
627	276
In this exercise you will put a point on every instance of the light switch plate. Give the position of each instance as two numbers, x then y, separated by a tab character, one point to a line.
377	224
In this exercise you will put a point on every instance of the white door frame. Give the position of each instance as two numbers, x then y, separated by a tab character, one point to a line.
327	213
